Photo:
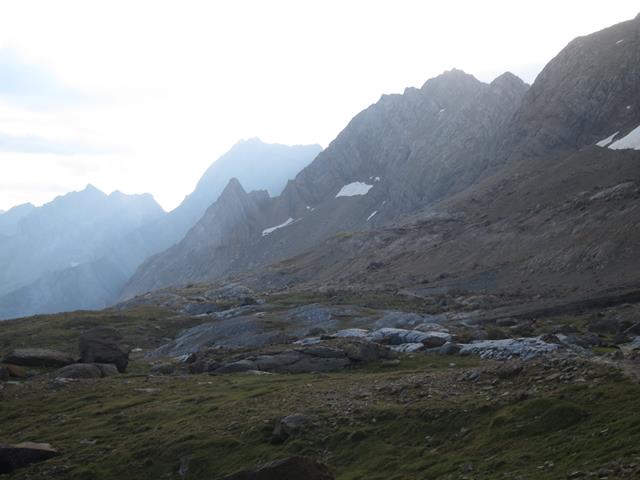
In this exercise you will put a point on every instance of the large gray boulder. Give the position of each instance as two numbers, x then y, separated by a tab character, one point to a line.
399	336
87	370
104	345
39	357
289	426
293	468
310	359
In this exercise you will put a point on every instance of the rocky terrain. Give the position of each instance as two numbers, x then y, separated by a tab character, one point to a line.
506	164
217	382
450	291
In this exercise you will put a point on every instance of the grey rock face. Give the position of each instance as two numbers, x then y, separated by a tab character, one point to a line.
525	348
39	357
103	345
301	360
398	336
589	91
410	150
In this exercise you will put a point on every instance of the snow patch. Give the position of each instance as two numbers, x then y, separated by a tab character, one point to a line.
619	41
606	141
375	179
632	140
75	264
442	110
372	215
269	230
355	188
628	107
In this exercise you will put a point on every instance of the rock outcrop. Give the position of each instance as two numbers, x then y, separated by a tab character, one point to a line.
104	345
13	457
39	357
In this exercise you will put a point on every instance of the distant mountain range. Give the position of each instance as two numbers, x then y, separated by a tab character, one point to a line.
456	159
457	185
78	251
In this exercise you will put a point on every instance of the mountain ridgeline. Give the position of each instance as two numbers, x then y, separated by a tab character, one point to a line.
78	251
439	148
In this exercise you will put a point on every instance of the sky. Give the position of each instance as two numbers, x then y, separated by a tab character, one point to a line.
142	96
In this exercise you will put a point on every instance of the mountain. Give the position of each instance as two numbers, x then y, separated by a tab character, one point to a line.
258	165
401	153
80	250
555	215
70	232
10	220
441	156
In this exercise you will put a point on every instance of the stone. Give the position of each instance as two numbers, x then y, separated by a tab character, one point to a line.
398	336
4	373
292	468
289	426
103	345
39	357
449	348
79	370
316	358
163	369
13	457
107	369
525	348
509	370
359	351
16	372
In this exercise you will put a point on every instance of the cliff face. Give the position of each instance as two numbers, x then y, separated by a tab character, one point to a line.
400	154
431	147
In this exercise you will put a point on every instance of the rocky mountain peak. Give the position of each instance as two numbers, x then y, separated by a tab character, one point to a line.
232	191
587	92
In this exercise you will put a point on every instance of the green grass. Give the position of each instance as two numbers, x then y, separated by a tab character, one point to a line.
144	427
144	327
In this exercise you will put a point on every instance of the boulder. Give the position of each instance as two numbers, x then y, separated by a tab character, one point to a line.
103	345
16	372
525	348
21	455
363	351
398	336
395	319
79	370
39	357
509	370
292	468
165	368
87	370
289	426
4	373
107	369
316	358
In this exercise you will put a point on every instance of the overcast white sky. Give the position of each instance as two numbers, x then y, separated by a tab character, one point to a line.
142	96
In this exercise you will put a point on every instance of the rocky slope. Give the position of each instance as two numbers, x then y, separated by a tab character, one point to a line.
508	170
77	253
404	152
